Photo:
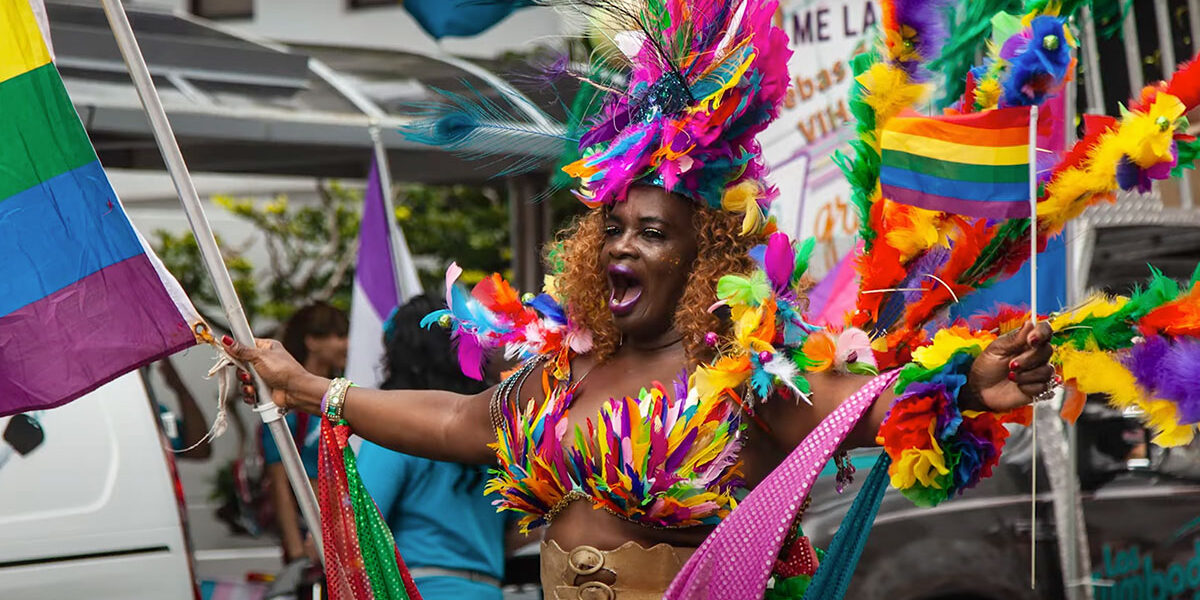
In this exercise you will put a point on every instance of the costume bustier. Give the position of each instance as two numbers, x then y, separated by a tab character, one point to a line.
662	459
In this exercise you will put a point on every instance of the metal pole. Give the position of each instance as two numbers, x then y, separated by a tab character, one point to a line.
1033	316
1133	51
1194	23
211	255
1166	47
408	284
1074	552
1095	86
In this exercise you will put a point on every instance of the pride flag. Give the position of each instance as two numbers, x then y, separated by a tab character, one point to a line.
83	299
975	165
375	289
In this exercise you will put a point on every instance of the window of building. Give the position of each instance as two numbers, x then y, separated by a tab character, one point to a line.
223	9
367	3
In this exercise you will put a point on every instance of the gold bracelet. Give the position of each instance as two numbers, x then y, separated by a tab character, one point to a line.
335	398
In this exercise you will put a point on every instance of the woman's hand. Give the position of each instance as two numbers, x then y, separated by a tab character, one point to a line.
1012	370
292	386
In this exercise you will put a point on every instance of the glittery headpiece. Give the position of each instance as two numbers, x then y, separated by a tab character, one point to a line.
705	77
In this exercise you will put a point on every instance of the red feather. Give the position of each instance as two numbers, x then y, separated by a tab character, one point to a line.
1178	317
963	253
1185	83
498	296
1094	126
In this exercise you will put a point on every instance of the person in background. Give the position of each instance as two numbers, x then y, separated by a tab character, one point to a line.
317	336
450	535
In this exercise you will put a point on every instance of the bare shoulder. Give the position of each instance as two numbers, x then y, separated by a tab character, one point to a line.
791	420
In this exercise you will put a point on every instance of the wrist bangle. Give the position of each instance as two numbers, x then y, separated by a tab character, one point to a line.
335	398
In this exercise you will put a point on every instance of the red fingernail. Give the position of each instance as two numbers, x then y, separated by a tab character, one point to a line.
1014	365
1012	376
228	341
246	377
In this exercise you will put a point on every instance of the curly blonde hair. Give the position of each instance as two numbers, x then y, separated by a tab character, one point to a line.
581	284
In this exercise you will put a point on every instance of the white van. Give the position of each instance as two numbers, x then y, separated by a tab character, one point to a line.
90	504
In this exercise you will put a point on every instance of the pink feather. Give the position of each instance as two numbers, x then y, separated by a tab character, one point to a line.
470	355
779	261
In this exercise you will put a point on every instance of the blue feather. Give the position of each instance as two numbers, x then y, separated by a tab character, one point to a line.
433	317
476	127
721	75
545	304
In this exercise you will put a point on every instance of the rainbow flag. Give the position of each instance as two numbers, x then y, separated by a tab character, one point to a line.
975	165
83	299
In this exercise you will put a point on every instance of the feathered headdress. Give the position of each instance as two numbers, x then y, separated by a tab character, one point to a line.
705	77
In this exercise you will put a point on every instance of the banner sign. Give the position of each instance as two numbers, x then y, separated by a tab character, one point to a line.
815	121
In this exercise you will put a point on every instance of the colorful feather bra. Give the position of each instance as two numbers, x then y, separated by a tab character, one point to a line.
704	78
662	459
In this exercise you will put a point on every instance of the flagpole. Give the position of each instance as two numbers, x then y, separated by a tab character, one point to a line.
210	253
1033	316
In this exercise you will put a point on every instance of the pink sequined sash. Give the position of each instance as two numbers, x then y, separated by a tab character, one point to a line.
735	561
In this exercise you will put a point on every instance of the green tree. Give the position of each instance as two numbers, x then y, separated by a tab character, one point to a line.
311	252
459	223
312	249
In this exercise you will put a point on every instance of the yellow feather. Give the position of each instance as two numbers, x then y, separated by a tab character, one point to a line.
1096	372
1097	306
743	198
916	231
1142	139
728	373
1163	420
987	94
889	91
947	342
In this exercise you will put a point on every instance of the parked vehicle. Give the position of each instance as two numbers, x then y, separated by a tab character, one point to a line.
1141	509
90	504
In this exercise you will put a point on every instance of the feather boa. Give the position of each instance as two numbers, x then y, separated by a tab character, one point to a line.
493	316
916	262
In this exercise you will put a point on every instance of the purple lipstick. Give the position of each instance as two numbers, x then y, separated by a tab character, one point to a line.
626	289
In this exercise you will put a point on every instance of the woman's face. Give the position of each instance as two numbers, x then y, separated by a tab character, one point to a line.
649	248
328	352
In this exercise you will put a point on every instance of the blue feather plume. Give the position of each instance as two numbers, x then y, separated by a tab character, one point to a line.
475	127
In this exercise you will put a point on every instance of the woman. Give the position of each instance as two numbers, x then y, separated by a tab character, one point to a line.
447	530
655	258
629	475
317	335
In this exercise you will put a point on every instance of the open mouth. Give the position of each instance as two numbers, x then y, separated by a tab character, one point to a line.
626	289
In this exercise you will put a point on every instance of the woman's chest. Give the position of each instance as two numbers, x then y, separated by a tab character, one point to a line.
601	387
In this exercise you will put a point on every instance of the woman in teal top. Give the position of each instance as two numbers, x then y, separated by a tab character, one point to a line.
448	532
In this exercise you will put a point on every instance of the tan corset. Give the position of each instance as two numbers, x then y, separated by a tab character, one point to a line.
630	572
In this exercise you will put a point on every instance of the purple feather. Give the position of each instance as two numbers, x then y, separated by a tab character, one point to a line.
927	18
1131	177
779	261
545	71
470	355
1145	361
1015	45
681	452
1179	379
928	264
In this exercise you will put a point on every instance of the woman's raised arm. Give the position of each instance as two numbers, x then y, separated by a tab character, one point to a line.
1008	374
429	423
